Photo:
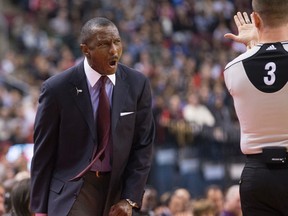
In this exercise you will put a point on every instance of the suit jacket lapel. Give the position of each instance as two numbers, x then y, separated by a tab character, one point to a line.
80	92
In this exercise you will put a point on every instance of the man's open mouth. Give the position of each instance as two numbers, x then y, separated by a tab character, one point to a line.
113	63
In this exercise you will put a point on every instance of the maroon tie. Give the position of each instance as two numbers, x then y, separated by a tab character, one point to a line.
103	119
102	126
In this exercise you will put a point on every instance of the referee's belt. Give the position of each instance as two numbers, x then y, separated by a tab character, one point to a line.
271	155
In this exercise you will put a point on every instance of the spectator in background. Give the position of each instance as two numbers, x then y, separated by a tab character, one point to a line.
203	207
232	205
162	208
61	25
180	202
149	202
201	122
166	154
21	194
20	198
215	195
196	113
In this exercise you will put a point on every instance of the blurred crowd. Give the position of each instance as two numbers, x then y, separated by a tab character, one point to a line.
177	202
178	44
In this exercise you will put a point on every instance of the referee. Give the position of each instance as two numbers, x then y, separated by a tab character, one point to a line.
257	81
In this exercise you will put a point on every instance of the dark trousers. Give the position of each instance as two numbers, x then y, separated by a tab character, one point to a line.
92	196
264	189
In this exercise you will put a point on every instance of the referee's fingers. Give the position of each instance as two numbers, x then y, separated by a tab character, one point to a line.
240	18
237	20
246	18
252	17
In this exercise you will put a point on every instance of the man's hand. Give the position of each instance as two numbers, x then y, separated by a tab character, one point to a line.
122	208
247	31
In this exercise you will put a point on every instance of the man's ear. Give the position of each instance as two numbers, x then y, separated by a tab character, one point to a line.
85	50
257	19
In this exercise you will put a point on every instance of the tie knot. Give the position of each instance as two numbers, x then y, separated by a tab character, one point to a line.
103	80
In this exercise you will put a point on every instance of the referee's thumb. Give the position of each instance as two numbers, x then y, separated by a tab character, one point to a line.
231	36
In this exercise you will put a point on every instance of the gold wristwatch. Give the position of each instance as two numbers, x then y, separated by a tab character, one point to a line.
133	204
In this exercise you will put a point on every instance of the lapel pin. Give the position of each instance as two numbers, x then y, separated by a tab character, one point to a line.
78	90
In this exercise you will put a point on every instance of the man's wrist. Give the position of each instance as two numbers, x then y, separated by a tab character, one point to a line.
251	44
131	203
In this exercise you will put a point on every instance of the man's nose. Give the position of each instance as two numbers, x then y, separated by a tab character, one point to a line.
113	48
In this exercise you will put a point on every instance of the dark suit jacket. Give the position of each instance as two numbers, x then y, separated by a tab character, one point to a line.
65	136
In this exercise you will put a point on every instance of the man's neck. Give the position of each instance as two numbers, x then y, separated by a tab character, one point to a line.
272	35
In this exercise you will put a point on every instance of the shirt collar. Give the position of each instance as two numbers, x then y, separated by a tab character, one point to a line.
93	76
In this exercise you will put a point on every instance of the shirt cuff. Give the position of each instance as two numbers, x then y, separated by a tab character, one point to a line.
133	204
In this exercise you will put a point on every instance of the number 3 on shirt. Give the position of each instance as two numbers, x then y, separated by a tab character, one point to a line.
270	68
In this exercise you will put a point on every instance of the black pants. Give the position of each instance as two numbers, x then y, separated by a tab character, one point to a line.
264	189
92	196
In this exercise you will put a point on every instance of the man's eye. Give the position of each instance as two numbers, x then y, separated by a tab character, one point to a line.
104	44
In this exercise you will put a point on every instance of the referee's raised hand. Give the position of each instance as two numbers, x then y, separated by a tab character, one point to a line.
247	31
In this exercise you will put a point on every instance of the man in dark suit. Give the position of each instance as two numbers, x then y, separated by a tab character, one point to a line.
68	176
